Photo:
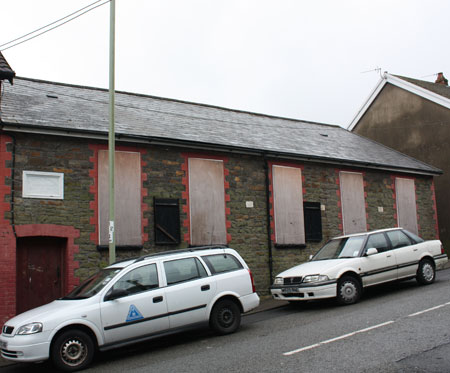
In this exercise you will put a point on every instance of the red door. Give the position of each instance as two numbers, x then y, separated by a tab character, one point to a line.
39	271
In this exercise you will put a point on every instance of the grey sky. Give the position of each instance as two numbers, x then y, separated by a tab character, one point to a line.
290	58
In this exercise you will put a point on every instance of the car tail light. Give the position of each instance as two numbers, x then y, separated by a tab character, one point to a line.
253	282
442	249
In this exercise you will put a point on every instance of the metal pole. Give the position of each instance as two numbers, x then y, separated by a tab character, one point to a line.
111	135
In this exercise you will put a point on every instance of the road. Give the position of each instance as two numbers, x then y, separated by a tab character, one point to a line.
400	327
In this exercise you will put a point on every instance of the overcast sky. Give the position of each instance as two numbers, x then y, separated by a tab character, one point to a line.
290	58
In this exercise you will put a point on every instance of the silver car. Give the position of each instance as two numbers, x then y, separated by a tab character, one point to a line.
347	264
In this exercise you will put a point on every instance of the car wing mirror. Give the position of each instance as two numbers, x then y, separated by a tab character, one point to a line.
310	257
371	251
115	294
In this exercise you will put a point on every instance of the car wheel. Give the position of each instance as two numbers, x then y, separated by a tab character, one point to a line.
426	273
225	317
348	290
72	350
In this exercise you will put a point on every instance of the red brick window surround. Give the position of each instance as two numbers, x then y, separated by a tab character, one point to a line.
206	198
286	203
129	230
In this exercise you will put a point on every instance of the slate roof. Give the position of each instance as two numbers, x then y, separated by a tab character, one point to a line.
5	70
48	107
440	89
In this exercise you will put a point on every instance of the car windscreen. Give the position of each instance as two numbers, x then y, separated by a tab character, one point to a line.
93	284
347	247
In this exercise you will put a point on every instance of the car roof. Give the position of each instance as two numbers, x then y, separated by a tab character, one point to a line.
181	252
366	233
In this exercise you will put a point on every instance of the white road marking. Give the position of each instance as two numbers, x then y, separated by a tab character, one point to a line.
315	345
337	338
429	309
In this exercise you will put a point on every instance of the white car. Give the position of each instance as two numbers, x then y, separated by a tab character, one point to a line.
131	301
347	264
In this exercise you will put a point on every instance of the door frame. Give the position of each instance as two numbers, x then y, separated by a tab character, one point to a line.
68	278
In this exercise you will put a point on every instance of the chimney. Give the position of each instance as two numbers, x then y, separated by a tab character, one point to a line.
5	70
5	73
441	79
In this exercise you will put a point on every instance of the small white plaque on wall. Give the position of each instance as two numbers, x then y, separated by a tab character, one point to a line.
47	185
249	204
380	209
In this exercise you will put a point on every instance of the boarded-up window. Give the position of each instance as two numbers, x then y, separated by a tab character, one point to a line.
406	204
353	203
288	205
207	202
127	198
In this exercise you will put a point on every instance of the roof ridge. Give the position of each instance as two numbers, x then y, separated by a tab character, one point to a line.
179	101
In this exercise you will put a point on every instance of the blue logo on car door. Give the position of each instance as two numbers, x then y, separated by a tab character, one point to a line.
134	314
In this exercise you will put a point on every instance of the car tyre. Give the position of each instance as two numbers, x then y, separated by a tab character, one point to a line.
225	317
426	273
72	350
348	290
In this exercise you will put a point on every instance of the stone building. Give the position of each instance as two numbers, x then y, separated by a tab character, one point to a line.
275	189
413	117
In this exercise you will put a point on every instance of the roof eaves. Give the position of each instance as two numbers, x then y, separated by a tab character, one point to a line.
14	127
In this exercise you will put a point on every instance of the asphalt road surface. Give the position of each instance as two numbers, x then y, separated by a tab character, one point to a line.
400	327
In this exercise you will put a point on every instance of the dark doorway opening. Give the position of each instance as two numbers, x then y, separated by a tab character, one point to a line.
40	271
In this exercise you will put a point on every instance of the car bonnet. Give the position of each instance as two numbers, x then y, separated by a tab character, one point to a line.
47	312
319	267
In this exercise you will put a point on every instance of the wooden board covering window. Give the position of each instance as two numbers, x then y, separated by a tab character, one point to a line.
406	204
207	202
288	205
353	203
127	198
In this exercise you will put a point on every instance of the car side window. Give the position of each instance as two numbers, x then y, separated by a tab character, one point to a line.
222	263
398	239
181	270
377	241
138	280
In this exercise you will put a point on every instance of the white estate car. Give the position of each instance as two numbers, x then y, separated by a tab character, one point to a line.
347	264
131	301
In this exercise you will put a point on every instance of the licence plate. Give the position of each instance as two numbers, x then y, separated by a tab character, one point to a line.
289	290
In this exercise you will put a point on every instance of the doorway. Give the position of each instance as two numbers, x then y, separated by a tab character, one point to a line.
40	271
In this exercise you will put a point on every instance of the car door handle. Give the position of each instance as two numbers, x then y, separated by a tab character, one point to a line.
157	299
388	256
205	287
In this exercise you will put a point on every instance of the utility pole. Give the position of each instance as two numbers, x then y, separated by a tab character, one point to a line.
111	134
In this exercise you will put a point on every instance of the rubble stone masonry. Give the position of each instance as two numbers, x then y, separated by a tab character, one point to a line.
164	175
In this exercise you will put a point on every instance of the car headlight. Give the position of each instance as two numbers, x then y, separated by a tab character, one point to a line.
315	278
278	281
33	328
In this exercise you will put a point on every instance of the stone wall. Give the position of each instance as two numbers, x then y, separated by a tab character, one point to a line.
164	175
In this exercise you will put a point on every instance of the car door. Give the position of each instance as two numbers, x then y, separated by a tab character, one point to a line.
189	291
407	253
380	267
140	311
